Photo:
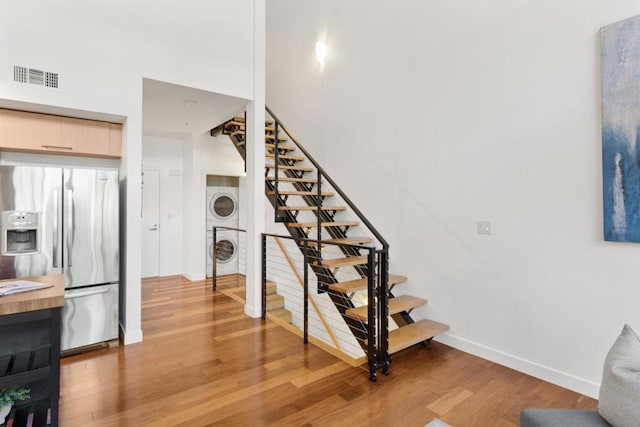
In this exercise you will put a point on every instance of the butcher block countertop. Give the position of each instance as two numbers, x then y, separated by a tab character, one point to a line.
40	299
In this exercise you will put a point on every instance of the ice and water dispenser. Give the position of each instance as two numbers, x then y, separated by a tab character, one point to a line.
20	233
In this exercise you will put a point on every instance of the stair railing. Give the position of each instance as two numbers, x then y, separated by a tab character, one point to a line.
381	290
373	336
215	251
325	176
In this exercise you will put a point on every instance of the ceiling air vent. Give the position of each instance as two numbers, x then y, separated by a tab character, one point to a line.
20	74
35	77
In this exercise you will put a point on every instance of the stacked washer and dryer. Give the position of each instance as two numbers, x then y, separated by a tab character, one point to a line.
222	211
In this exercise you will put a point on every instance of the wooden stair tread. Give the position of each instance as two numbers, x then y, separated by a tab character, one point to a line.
413	333
285	156
280	147
234	122
359	284
344	262
275	302
273	137
241	120
292	168
396	305
271	288
311	208
289	179
349	240
300	193
241	131
344	241
323	224
282	314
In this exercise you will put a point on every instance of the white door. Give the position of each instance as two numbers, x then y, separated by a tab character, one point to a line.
150	223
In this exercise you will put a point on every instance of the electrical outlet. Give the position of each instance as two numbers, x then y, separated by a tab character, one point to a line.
484	227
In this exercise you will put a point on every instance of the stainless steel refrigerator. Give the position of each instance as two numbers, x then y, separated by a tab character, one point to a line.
65	220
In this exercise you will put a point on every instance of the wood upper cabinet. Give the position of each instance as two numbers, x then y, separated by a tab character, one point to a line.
115	139
43	133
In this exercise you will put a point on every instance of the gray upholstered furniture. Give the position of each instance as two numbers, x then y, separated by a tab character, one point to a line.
561	418
619	403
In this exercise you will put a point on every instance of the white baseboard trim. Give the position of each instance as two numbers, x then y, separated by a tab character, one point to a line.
194	277
254	312
130	337
562	379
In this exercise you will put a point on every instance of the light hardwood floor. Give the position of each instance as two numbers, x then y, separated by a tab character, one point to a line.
203	362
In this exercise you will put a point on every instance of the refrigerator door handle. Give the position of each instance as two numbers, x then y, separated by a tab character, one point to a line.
86	294
55	229
71	231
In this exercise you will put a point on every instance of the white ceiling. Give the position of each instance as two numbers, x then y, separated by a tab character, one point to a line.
177	111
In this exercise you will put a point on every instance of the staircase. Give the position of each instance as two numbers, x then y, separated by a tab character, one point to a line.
275	304
304	199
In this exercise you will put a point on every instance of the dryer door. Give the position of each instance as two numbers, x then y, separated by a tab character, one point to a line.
223	206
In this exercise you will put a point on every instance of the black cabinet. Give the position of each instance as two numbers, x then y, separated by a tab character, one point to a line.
30	357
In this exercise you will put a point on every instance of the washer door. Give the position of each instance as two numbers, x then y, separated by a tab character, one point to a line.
225	250
223	206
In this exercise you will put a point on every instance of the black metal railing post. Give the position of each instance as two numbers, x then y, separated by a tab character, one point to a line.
214	261
383	310
306	291
245	142
276	155
264	276
319	211
371	316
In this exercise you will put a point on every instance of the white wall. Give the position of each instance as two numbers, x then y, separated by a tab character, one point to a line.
165	156
102	50
434	115
203	155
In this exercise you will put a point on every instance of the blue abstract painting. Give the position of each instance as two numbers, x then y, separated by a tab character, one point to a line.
620	67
